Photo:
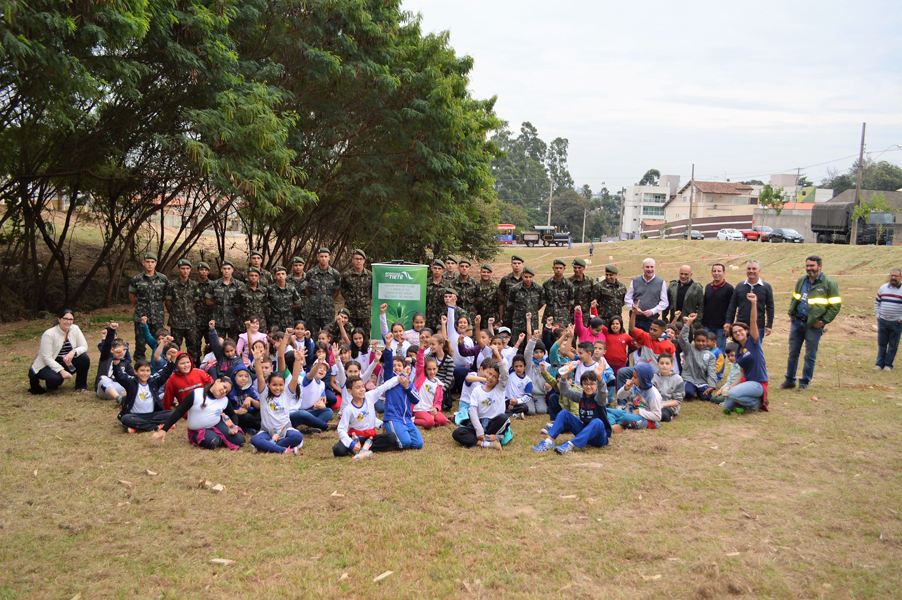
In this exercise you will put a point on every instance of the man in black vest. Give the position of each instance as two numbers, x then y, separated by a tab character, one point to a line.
718	294
740	308
650	292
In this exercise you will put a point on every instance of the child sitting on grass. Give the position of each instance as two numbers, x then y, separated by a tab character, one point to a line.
111	348
535	356
209	422
699	363
590	427
428	411
142	408
243	397
732	372
670	386
651	345
225	352
276	433
643	401
719	355
488	420
184	380
398	416
518	391
357	428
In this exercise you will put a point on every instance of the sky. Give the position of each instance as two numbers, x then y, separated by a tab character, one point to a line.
742	90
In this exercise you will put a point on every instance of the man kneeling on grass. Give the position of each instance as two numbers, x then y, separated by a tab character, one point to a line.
591	427
488	419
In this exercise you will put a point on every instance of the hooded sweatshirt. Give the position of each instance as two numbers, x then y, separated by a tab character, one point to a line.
646	397
238	395
699	366
178	386
671	387
224	365
105	364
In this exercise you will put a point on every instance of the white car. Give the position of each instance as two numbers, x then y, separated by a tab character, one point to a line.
729	235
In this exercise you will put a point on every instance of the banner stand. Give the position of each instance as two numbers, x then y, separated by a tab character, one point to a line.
402	286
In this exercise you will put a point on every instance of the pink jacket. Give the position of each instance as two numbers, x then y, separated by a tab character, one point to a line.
420	380
583	333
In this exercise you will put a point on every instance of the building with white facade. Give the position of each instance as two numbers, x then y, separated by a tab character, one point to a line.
646	203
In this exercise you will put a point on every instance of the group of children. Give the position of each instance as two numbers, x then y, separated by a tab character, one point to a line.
278	386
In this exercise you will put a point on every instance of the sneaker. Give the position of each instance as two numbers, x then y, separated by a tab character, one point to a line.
547	428
565	448
254	449
495	445
787	385
297	449
544	446
879	368
37	391
887	368
130	430
803	386
518	416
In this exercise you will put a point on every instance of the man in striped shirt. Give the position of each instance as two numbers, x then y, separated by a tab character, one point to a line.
888	308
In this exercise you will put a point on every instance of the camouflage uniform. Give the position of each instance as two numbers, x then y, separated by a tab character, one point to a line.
435	304
266	278
336	333
301	286
150	292
225	300
583	294
281	302
320	308
558	299
504	287
451	280
486	302
525	300
182	297
466	296
203	314
610	299
254	303
357	289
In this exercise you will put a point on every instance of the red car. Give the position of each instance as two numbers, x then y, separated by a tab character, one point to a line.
756	233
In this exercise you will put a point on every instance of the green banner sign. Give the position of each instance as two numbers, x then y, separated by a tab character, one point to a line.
403	289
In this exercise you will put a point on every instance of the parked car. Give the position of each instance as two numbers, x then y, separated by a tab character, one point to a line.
729	235
786	235
755	233
696	235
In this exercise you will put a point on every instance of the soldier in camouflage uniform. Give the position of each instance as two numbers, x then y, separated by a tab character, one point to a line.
253	300
283	298
486	296
435	296
181	299
610	294
466	289
203	313
357	288
147	292
298	280
505	311
323	284
223	297
525	297
256	260
558	294
342	320
451	275
583	289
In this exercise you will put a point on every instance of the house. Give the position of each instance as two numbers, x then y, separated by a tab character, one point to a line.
711	199
644	203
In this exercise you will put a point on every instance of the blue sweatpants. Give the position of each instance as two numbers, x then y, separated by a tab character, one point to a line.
626	419
263	441
408	435
695	391
593	434
318	418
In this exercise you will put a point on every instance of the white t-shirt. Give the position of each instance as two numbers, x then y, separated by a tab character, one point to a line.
311	391
488	403
518	388
427	395
143	400
361	418
205	417
274	410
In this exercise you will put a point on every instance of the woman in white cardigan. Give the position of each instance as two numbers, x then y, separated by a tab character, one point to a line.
63	355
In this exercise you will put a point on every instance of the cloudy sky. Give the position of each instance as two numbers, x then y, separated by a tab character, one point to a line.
740	89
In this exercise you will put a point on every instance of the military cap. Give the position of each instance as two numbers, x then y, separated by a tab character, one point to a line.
579	262
279	268
203	265
184	263
530	270
228	263
297	260
487	267
255	253
464	261
150	255
359	252
344	311
451	257
450	291
324	251
517	257
438	263
558	261
254	270
611	269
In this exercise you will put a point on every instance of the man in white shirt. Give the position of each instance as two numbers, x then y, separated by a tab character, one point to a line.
650	292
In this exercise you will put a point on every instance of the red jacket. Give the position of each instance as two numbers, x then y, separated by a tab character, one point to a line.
179	386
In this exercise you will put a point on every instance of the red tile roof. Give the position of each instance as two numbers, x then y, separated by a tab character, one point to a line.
722	187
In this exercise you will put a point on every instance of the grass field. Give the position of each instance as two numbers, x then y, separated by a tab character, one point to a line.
801	502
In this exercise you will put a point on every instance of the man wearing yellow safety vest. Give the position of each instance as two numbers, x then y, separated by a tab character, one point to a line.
815	303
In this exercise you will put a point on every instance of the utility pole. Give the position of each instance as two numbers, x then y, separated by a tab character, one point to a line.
622	194
585	212
795	194
854	240
691	201
550	194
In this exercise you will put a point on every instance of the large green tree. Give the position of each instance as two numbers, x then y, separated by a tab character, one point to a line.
883	176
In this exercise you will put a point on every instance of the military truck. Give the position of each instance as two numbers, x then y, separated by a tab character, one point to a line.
546	234
831	223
